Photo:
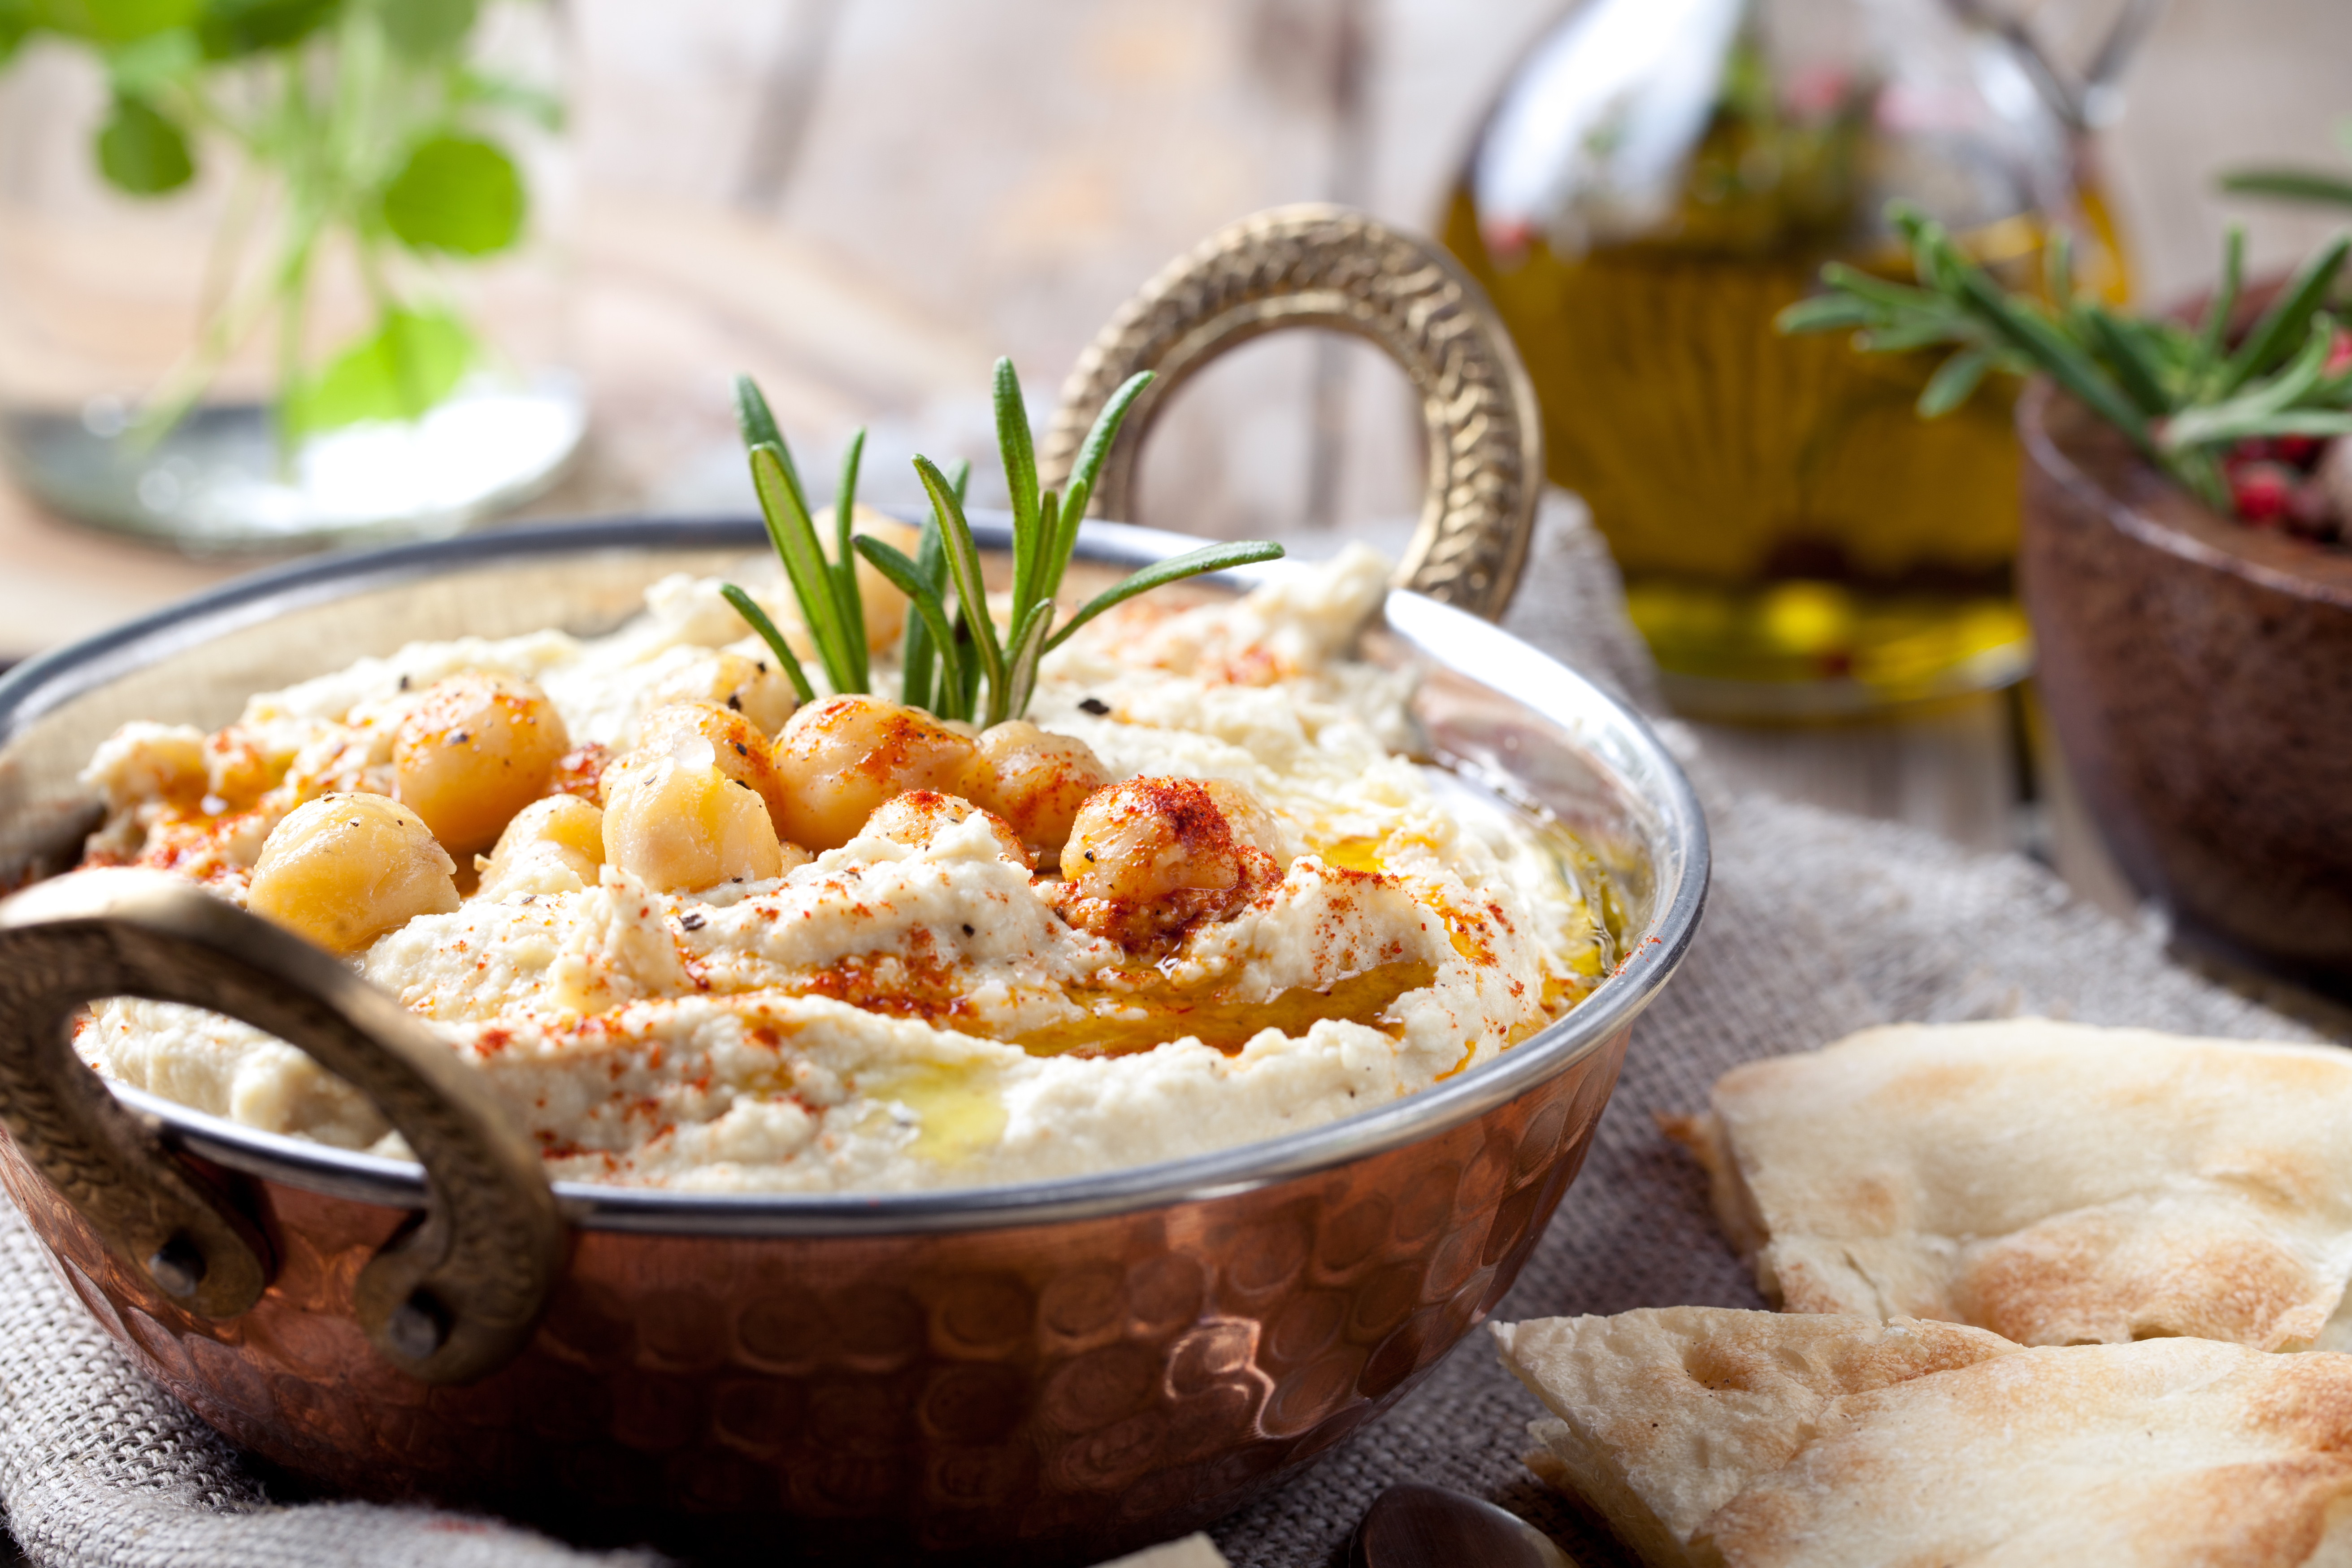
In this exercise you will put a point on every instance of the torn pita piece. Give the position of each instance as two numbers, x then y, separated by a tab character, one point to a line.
1705	1435
1193	1551
2053	1182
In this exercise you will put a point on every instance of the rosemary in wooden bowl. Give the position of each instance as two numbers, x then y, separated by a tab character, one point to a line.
2180	392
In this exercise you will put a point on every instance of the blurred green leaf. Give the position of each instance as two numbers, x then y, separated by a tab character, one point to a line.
229	29
142	153
2122	347
2285	323
412	361
427	29
2021	325
489	90
1881	290
109	22
2224	302
455	193
1827	313
147	67
15	21
2058	271
1953	381
2164	383
1924	332
2292	185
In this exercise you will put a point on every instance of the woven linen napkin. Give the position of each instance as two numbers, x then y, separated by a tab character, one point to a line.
1818	924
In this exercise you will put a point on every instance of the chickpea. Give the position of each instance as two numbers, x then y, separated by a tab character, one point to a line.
1253	823
554	845
916	817
475	750
736	747
752	687
580	772
344	869
1035	781
1150	857
674	820
843	756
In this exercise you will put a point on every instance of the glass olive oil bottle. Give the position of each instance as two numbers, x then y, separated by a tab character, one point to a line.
1660	179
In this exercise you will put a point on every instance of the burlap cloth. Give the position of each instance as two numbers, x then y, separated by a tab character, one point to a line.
1818	924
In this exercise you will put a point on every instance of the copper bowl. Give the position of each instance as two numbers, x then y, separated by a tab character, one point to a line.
2197	673
1043	1372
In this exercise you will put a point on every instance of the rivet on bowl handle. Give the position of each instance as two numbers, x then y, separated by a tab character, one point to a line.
449	1298
1318	266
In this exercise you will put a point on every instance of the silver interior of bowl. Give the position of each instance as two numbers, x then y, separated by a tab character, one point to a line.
1499	713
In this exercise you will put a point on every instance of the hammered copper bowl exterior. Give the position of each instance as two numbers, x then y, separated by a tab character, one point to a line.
2199	677
1051	1393
1057	1372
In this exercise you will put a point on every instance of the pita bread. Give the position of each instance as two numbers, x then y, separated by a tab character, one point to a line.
1675	1410
1731	1439
2053	1182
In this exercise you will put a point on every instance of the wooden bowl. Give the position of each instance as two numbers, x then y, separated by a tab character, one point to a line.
2199	676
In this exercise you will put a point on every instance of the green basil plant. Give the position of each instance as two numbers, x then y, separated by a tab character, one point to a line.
377	132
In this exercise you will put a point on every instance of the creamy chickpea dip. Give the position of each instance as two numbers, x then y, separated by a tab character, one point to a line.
1204	898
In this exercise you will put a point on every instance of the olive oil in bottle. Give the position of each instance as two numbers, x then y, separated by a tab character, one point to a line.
1795	539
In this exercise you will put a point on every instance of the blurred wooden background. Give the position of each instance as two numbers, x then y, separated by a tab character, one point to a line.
864	201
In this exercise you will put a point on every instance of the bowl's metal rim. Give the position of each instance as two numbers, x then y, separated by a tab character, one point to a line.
1473	645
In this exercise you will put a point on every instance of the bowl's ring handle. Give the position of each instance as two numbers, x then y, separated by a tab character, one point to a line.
1317	265
449	1299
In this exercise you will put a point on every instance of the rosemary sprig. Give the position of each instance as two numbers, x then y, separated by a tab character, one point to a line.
955	660
2292	185
757	619
844	564
930	617
978	628
794	533
1191	564
927	643
2315	185
2178	393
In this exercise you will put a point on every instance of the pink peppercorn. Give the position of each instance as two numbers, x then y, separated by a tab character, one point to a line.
2260	492
2300	450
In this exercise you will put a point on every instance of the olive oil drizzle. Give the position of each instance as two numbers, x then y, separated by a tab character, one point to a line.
1118	1024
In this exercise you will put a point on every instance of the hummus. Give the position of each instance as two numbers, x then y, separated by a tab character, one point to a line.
917	1007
